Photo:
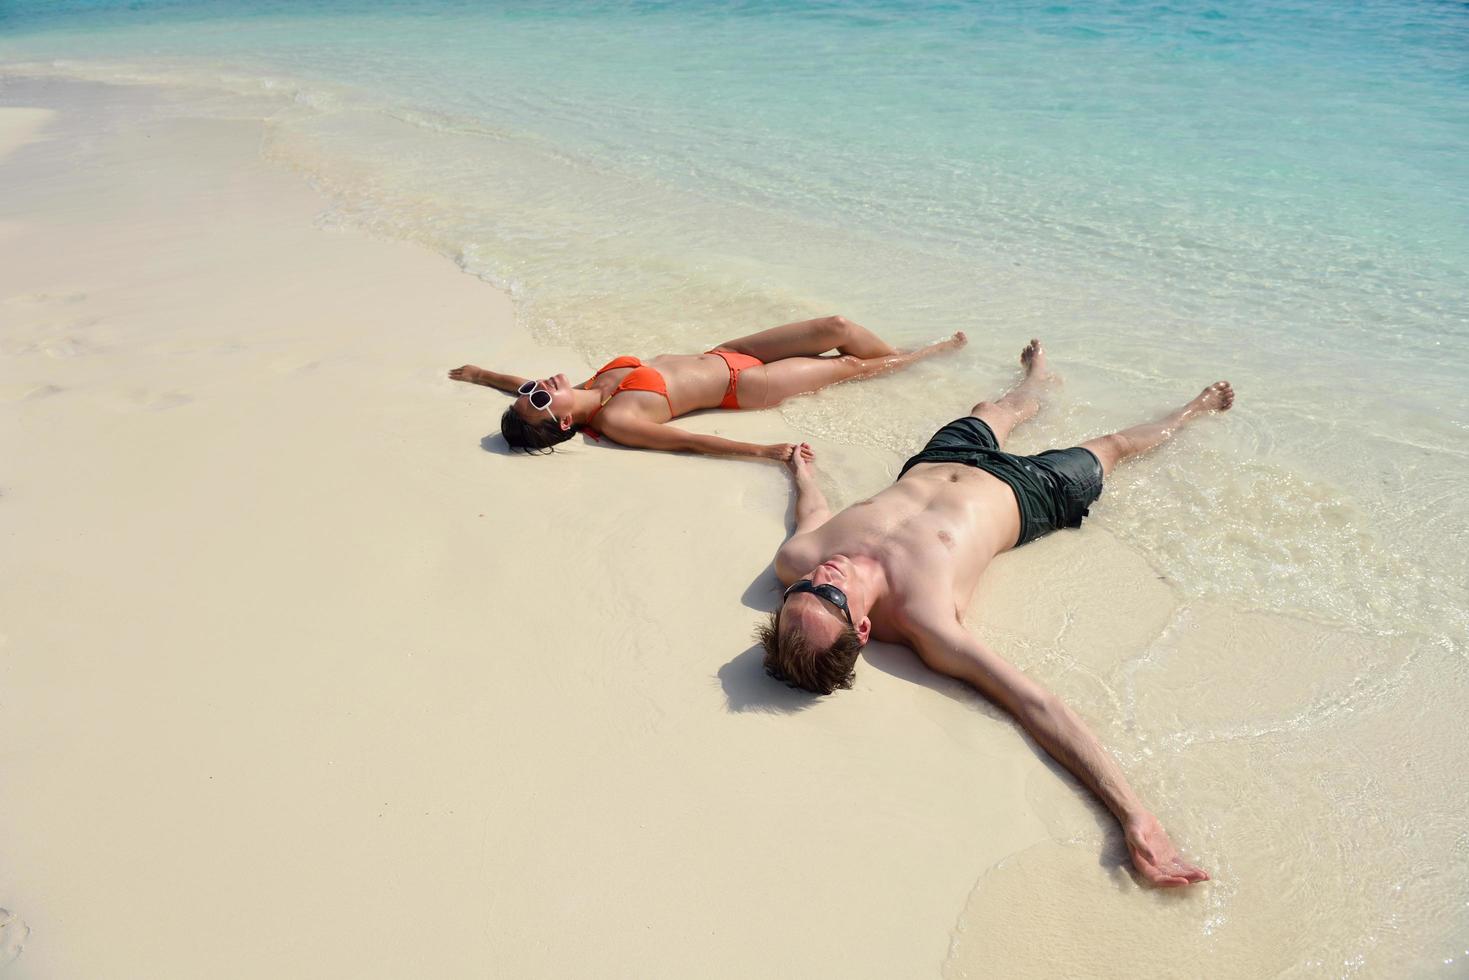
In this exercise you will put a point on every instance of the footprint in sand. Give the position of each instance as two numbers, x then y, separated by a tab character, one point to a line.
53	338
13	933
64	347
164	400
291	366
28	392
43	299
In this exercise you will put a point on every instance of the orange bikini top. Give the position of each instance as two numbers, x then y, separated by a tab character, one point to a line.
640	378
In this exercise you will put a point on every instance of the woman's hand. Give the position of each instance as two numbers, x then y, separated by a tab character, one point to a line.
789	452
470	374
799	461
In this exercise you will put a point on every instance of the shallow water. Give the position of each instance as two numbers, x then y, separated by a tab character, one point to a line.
1277	193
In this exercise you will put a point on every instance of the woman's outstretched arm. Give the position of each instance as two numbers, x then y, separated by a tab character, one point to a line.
642	434
508	383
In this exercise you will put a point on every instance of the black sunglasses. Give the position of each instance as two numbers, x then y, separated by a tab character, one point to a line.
830	593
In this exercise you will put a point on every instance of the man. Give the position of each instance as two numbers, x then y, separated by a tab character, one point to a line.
903	566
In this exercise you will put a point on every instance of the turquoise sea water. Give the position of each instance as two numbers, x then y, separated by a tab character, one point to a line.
1296	169
1167	193
1275	192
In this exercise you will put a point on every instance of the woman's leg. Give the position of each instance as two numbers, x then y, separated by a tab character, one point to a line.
809	337
767	386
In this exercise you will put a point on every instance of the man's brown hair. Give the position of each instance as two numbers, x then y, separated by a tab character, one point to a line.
792	659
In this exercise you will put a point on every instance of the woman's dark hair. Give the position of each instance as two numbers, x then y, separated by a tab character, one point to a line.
533	437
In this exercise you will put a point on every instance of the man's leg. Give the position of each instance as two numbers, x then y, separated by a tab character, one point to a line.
1113	449
1022	401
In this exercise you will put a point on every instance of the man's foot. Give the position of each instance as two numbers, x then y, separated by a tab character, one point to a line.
468	373
1033	360
1218	397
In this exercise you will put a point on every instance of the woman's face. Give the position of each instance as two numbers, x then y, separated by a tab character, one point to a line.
560	407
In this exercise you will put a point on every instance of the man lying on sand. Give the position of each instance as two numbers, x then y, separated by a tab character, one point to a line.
903	566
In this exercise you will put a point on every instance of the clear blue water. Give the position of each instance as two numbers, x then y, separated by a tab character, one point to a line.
1277	192
1248	160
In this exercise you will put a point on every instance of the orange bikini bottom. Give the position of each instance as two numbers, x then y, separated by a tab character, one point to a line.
736	362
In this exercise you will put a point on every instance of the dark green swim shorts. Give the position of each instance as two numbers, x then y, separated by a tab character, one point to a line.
1054	489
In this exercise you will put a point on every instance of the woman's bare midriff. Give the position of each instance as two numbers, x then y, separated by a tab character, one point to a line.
695	381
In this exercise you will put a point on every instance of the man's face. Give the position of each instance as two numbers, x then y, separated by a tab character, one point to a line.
560	391
821	621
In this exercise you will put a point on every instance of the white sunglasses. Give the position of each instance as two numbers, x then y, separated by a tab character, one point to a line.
540	398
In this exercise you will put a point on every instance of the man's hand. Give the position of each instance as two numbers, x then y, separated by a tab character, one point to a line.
1154	855
792	454
811	508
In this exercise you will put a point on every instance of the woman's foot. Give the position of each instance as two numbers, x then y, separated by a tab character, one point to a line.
953	343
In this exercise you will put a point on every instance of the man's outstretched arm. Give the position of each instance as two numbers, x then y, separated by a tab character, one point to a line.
811	507
949	648
793	559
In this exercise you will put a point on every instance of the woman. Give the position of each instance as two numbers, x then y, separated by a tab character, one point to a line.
628	401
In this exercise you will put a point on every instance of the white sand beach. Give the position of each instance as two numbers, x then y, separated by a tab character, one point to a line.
300	678
304	675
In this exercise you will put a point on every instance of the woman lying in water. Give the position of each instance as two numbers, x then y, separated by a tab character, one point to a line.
628	400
